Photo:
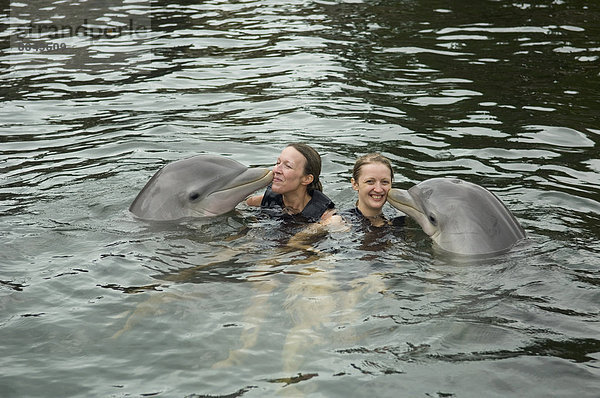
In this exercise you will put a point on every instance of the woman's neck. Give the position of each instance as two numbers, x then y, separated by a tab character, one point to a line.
294	202
373	215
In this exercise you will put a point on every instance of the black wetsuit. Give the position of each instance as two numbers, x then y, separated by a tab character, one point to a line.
374	238
356	218
312	212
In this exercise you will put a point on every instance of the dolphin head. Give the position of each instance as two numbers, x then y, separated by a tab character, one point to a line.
460	217
201	186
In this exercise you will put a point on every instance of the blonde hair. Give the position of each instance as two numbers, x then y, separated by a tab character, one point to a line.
368	159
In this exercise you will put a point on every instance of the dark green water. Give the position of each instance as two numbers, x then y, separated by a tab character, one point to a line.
95	303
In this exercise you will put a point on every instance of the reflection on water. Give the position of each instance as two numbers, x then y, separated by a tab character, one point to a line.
503	94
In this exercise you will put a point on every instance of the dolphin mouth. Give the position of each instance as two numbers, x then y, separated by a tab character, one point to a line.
260	181
403	201
226	198
401	205
406	202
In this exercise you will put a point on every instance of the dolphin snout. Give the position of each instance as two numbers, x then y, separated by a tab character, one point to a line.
412	206
400	198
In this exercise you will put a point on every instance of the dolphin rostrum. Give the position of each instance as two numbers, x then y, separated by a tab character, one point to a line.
460	217
201	186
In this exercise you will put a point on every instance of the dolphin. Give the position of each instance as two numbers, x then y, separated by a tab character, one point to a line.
460	217
201	186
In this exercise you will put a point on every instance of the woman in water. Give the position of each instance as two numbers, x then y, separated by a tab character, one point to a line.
295	194
296	189
372	178
314	304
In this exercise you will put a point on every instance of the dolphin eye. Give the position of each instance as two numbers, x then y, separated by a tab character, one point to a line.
194	196
432	219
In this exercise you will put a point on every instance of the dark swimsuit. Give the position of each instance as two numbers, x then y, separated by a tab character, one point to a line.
312	212
355	217
370	237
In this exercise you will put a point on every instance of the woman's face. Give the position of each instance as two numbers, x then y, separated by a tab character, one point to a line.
373	185
288	173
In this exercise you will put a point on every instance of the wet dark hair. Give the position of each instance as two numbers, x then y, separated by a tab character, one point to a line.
368	159
311	166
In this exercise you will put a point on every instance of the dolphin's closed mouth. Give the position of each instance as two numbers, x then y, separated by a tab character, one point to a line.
262	177
200	186
461	217
404	204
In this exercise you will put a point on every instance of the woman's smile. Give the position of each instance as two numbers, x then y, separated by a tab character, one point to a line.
374	182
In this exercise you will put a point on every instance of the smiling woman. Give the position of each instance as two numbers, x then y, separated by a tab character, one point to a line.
493	92
372	178
296	189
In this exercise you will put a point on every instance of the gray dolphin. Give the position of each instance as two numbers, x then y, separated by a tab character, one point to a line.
459	216
201	186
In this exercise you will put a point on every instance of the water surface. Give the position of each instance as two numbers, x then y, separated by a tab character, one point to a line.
96	303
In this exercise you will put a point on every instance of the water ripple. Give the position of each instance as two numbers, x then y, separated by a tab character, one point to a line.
499	93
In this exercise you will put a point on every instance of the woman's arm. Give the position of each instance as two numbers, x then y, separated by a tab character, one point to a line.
334	221
254	200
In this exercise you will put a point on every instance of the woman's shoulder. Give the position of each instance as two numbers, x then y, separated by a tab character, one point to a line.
352	215
352	212
271	199
319	197
355	216
318	205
